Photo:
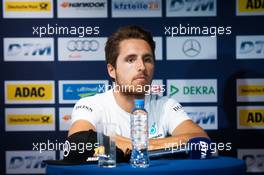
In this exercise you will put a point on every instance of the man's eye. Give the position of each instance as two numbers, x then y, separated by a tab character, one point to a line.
130	60
148	59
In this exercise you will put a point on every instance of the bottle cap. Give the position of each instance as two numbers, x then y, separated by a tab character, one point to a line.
139	102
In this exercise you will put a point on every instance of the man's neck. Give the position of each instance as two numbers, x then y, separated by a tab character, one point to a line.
126	101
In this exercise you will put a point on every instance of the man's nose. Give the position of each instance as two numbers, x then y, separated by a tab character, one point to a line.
141	65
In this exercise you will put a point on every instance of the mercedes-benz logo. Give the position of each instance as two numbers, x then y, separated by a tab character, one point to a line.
191	47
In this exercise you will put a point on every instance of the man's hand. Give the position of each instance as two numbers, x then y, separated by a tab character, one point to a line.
123	143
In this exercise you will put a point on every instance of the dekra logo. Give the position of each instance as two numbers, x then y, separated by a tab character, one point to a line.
193	90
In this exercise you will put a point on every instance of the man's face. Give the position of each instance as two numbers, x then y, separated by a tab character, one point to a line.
134	66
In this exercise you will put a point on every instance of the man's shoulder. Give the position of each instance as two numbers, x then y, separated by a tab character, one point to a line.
97	98
165	101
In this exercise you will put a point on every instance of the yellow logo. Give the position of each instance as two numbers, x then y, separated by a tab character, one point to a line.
29	119
250	6
30	92
255	90
251	117
28	6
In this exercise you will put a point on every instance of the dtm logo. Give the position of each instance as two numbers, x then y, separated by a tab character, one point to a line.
256	47
28	49
27	162
254	159
83	45
191	5
202	117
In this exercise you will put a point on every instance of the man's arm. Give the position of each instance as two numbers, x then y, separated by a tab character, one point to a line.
122	143
181	134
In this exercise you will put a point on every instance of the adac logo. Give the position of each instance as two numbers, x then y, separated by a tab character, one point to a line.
251	117
191	6
245	6
252	47
27	6
29	92
29	119
193	90
77	91
251	90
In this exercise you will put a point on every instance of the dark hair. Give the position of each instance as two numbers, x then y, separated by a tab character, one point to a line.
123	33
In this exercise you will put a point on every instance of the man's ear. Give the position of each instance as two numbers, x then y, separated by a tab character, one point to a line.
111	71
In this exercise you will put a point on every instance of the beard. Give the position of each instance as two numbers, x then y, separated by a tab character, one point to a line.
137	89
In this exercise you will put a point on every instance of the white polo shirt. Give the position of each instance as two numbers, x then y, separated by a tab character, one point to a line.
164	113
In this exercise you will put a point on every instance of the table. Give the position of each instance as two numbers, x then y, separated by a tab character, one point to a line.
214	166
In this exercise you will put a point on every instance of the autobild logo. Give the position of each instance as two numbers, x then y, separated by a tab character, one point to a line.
250	47
193	90
250	117
191	47
83	5
250	90
191	8
27	6
27	162
254	159
137	5
29	119
250	7
28	49
71	91
29	92
83	45
205	116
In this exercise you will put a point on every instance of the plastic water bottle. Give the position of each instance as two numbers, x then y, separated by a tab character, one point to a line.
139	135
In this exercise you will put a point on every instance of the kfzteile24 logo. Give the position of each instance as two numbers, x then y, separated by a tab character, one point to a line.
250	117
28	92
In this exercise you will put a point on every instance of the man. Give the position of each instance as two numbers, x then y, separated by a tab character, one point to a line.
130	56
